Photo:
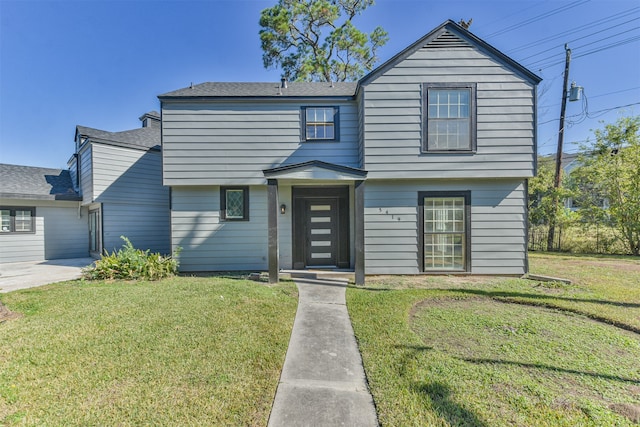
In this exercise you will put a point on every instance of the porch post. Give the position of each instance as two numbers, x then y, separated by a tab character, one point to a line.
359	232
272	220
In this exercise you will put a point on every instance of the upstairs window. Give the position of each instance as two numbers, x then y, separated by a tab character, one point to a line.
17	220
234	203
450	118
320	123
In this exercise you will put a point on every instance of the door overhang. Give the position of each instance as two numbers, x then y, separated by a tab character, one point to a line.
315	170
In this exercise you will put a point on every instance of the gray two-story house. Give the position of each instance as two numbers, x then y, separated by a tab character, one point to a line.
419	167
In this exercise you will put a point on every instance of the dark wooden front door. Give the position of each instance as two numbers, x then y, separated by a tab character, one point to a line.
321	227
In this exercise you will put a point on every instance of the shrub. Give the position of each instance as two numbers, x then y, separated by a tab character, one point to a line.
129	263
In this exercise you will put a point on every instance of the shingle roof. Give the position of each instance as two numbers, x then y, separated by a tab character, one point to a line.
142	138
28	182
265	90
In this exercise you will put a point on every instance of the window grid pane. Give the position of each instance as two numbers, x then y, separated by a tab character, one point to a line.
5	220
320	123
444	233
449	119
235	204
23	220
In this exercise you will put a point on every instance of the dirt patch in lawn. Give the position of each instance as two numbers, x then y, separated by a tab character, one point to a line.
628	410
6	314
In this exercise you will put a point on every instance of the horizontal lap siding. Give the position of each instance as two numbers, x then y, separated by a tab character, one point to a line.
60	233
135	204
498	239
393	118
209	244
86	175
225	144
146	226
127	175
66	232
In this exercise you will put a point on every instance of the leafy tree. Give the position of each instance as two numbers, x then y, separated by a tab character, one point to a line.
610	170
542	196
315	40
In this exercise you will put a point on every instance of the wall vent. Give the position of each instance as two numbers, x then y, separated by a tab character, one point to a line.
447	40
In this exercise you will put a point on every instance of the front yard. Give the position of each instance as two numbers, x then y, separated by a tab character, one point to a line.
438	351
182	351
476	351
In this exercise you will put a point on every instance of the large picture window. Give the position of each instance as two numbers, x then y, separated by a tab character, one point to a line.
320	123
450	120
234	203
445	233
17	220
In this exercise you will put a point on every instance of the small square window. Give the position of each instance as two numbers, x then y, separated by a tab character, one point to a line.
234	203
320	123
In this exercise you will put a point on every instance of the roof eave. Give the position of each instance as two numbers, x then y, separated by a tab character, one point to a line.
209	98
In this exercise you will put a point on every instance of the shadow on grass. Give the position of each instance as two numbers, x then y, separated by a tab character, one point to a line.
546	301
550	368
454	413
510	294
438	393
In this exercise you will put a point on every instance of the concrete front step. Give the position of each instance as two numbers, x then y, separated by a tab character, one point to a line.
338	275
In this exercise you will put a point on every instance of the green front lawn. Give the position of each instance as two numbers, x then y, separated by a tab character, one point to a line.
477	351
181	351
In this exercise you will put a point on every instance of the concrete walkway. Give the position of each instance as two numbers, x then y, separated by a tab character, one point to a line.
23	275
323	381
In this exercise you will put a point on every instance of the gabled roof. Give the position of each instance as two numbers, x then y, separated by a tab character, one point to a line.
264	90
28	182
461	33
142	139
316	169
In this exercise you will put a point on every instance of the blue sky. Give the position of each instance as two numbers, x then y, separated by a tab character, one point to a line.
102	63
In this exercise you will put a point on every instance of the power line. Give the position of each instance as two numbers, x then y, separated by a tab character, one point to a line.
590	52
577	29
587	36
538	17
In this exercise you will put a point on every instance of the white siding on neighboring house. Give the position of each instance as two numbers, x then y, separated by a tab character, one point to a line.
393	118
60	232
209	244
232	143
498	221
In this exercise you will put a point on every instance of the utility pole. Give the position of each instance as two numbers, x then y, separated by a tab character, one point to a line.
558	175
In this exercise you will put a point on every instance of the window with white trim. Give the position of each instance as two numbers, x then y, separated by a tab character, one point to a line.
450	117
320	123
17	220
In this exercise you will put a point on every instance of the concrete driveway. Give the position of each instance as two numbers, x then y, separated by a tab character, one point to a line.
22	275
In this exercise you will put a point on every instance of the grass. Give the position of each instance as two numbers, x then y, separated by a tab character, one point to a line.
476	351
180	351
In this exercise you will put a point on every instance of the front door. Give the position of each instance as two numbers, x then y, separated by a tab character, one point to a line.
322	232
321	227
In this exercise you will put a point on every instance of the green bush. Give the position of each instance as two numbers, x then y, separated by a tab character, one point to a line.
129	263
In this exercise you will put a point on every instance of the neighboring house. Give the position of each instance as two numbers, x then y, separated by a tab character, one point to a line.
113	188
40	215
419	167
119	175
